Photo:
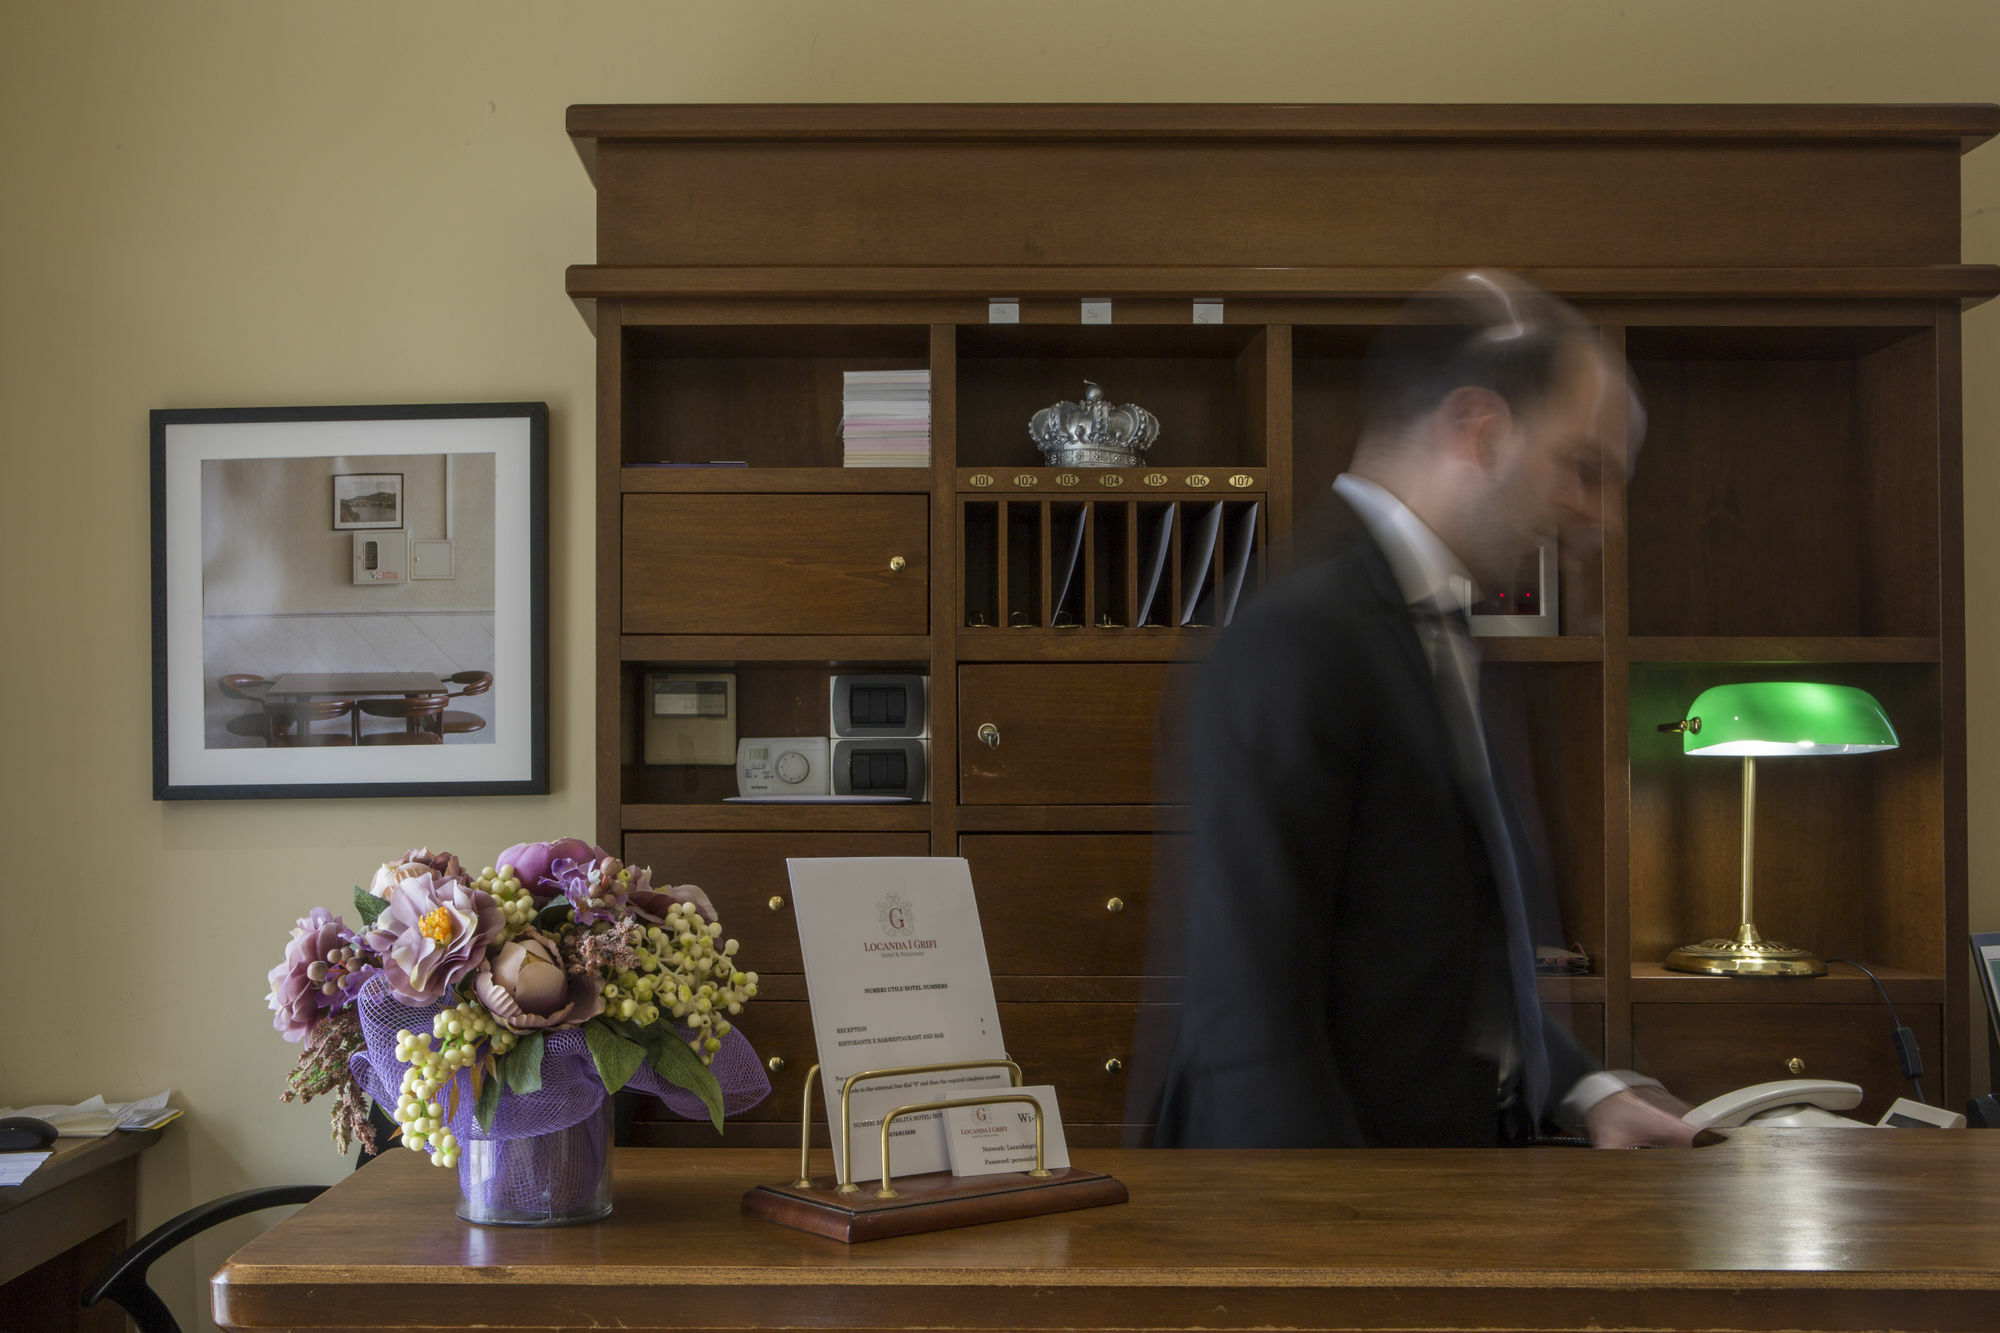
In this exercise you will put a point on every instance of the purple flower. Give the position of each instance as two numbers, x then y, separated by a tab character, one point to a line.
433	934
534	862
320	960
523	985
417	861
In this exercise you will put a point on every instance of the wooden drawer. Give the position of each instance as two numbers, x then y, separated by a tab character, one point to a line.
743	872
1067	734
1703	1049
776	564
1043	901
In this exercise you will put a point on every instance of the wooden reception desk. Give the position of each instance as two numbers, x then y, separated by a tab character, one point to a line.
1787	1229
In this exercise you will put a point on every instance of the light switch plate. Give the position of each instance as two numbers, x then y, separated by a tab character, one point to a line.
431	560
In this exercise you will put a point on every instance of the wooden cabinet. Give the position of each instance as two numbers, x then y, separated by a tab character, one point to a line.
1055	734
1784	282
745	564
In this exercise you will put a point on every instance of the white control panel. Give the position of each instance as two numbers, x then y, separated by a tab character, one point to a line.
783	766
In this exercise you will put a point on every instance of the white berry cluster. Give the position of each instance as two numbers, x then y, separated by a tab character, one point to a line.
434	1061
517	901
687	972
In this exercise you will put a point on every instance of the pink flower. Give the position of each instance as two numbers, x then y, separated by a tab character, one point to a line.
307	985
532	862
651	904
523	985
413	863
433	934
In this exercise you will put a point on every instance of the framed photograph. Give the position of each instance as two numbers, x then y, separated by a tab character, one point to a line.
368	500
290	660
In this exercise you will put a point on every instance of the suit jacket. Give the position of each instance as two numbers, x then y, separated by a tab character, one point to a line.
1342	930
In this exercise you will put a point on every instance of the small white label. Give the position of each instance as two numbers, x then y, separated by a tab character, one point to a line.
1097	312
1208	312
987	1140
1006	311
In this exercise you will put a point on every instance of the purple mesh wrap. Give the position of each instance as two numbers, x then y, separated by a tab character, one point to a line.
570	1091
559	1177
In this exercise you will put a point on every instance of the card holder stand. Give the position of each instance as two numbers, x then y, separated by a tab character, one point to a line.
935	1201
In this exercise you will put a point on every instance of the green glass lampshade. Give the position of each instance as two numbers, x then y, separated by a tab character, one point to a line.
1773	719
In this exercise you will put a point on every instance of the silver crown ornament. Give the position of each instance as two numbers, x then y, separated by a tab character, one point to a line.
1094	432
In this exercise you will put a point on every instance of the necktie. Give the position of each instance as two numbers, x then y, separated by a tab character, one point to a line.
1440	624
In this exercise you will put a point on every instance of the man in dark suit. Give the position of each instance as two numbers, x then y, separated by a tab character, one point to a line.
1358	962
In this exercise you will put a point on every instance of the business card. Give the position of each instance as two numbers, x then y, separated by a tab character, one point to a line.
987	1140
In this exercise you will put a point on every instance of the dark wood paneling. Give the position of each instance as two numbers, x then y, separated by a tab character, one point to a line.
1043	901
1703	1051
741	564
743	873
1277	203
1584	1020
1545	729
1069	734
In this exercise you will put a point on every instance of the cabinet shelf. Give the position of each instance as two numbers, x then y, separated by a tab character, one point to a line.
1841	985
774	480
1158	644
1073	819
1555	648
914	817
720	649
1851	648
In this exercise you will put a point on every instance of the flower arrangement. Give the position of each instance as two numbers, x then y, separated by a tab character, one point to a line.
511	1003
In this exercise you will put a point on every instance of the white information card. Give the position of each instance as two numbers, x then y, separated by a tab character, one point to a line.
896	972
987	1140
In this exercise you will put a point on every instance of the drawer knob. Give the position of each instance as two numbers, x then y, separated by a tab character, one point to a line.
896	562
776	904
1796	1066
1115	906
776	1064
1114	1065
990	734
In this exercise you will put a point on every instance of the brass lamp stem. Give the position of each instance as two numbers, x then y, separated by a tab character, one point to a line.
1749	835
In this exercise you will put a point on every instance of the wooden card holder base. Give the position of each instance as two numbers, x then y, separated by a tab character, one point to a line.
934	1202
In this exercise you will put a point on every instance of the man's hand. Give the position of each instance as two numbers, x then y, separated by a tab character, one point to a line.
1633	1120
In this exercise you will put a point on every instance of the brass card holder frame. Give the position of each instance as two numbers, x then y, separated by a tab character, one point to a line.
931	1202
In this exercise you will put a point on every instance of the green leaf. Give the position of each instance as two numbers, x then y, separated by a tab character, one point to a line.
523	1065
488	1103
616	1057
554	915
368	906
674	1062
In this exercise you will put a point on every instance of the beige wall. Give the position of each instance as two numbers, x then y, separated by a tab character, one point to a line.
231	204
269	544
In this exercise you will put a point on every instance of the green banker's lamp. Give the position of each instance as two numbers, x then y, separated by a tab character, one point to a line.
1771	719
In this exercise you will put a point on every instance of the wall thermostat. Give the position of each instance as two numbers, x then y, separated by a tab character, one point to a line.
381	557
782	766
690	717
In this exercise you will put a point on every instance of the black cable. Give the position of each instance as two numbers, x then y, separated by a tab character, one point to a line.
1907	1053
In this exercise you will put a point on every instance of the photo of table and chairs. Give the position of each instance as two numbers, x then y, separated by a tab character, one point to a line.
330	622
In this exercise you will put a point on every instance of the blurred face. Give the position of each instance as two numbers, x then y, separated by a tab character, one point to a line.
1542	473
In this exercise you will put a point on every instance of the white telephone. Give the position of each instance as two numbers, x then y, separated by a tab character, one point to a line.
1791	1102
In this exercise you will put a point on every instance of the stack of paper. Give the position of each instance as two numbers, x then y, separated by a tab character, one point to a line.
885	418
94	1118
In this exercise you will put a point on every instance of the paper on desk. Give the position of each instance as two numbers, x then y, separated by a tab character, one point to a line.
94	1117
16	1167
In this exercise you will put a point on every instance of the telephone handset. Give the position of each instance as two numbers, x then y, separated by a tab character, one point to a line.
1791	1102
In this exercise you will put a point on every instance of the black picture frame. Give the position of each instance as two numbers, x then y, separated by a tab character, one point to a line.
188	764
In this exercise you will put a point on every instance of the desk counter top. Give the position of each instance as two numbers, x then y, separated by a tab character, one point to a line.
1833	1229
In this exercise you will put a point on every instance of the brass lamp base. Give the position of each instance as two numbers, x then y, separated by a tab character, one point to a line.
1748	955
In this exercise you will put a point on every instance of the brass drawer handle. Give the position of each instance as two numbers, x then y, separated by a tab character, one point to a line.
896	562
776	1064
1796	1066
1115	906
776	904
1114	1065
990	734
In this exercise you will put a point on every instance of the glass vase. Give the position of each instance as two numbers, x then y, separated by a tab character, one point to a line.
544	1180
